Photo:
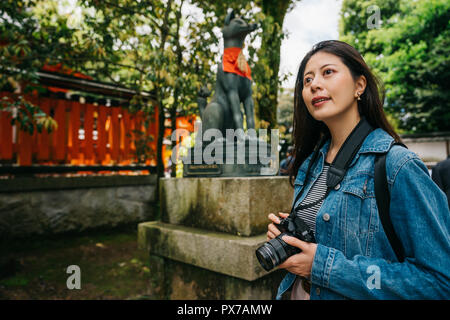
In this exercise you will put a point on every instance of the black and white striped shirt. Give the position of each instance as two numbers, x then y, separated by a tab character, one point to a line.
308	208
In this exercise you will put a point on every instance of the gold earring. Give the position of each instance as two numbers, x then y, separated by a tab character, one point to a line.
359	98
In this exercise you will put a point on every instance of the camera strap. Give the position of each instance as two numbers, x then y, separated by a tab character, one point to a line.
341	162
347	152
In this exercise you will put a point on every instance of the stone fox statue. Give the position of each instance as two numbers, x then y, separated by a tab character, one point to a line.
233	83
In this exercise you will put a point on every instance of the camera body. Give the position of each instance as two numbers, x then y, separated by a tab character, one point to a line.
296	227
276	251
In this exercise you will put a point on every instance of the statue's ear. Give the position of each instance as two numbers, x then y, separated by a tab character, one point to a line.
229	17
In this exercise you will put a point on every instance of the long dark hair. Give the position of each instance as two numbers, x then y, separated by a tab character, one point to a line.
307	131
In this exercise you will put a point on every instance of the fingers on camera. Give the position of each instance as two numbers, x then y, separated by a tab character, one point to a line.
274	230
274	218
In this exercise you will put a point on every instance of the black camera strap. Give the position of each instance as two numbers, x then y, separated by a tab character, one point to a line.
341	162
347	152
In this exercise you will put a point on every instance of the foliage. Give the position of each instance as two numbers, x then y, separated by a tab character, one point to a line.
267	79
132	44
142	143
26	44
411	53
285	119
27	116
148	46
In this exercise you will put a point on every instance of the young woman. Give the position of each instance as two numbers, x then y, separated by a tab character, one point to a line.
352	257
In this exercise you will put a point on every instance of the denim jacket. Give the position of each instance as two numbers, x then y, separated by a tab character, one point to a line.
354	259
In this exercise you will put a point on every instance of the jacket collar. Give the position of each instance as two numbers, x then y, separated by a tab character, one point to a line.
378	141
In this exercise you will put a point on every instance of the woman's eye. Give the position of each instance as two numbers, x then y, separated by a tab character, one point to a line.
325	72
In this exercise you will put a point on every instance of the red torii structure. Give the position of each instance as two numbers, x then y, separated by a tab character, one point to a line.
89	133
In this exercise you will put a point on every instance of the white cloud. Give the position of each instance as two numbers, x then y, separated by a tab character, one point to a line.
309	22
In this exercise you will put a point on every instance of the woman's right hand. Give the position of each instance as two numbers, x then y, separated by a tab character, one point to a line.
272	230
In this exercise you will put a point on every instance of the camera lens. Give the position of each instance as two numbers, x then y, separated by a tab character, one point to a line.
272	253
265	258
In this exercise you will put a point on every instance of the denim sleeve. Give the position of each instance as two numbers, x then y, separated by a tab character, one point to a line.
420	215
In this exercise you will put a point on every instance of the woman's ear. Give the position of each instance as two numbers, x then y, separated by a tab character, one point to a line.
361	84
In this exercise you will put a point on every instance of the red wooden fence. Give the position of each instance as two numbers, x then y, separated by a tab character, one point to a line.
87	134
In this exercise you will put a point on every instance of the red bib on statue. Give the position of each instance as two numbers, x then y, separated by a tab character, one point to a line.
234	62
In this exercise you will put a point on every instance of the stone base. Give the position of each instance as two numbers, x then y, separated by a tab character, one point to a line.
237	205
195	252
229	158
219	252
173	280
190	263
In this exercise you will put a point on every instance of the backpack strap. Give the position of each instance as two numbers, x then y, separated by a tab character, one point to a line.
383	201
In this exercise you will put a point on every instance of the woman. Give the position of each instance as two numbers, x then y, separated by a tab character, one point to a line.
352	257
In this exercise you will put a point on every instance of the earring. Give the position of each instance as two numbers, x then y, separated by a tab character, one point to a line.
359	98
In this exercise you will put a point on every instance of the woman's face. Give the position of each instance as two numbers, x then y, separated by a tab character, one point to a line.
326	76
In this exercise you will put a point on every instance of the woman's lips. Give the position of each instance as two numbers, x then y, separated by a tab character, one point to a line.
317	104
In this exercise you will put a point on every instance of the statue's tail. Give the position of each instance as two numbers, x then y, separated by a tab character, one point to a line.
202	96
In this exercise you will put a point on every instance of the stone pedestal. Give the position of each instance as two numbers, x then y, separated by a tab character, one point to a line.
250	157
205	246
238	206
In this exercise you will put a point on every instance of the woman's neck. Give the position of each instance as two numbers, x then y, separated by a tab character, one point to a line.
340	129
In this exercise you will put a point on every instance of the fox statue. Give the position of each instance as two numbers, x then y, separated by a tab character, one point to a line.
233	82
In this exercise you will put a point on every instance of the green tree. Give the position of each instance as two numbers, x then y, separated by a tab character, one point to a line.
132	44
285	115
267	79
410	52
356	15
26	44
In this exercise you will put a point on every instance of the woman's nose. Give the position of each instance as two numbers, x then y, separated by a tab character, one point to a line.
316	84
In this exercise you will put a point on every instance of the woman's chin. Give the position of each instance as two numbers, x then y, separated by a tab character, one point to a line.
321	115
327	113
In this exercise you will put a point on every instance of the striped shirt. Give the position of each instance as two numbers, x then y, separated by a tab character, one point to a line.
308	208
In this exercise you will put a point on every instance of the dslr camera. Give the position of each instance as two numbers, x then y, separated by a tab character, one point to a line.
276	251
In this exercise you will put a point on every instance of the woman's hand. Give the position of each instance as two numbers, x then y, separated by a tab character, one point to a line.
273	231
300	263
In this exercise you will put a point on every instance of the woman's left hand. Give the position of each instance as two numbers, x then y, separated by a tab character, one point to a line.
300	263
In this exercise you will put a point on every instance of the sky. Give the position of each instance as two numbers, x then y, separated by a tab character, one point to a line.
309	22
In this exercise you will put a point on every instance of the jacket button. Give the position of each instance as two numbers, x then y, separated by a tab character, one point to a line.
326	217
318	291
337	186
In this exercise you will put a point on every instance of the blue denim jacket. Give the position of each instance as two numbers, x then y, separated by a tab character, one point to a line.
354	259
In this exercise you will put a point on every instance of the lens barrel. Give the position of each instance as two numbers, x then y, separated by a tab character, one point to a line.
273	253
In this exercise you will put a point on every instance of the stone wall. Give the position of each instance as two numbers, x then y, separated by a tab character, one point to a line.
44	206
431	148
